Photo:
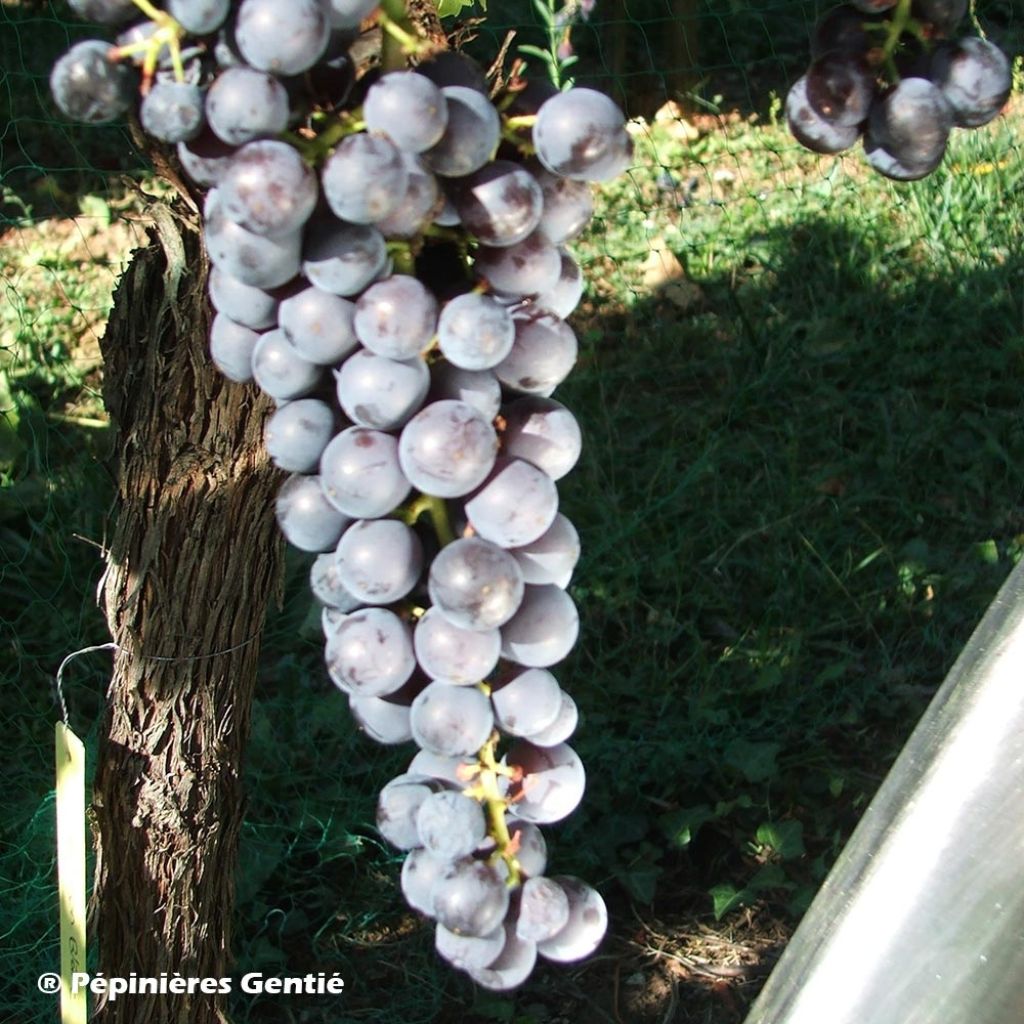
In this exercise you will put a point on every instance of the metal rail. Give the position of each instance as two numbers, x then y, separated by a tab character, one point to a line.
921	921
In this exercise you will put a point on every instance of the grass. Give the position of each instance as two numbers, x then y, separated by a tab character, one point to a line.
800	491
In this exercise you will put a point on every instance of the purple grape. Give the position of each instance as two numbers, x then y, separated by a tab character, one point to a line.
379	560
544	352
268	188
205	158
840	88
586	927
500	204
543	910
447	449
418	206
975	78
364	178
564	297
200	17
475	332
450	825
527	703
478	388
396	317
408	108
469	897
246	305
467	952
544	432
231	348
319	325
527	268
581	134
381	393
511	968
397	807
419	873
343	258
552	557
307	521
553	782
361	473
285	39
172	111
515	506
812	130
544	628
280	371
370	653
244	104
382	720
475	585
561	728
451	720
911	124
446	651
87	86
568	206
297	433
250	258
471	134
106	12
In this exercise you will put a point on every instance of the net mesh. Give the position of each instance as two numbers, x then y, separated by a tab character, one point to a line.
800	389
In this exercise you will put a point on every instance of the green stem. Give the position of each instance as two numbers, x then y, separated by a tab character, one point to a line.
402	255
315	150
901	22
436	508
399	38
495	805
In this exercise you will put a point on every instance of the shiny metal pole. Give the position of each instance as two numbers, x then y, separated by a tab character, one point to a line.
921	921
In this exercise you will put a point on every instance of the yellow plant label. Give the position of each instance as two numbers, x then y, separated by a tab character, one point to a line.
71	871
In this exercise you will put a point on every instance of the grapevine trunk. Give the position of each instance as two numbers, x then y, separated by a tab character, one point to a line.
194	557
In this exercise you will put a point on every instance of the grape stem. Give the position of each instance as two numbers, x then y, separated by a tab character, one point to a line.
402	255
495	805
902	21
438	511
316	149
511	128
400	40
168	33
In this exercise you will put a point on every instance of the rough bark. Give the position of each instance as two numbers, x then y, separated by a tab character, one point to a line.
194	558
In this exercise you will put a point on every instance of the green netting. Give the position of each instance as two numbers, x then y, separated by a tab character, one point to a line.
801	393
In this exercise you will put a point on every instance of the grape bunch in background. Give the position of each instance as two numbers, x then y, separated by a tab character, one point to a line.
389	265
897	74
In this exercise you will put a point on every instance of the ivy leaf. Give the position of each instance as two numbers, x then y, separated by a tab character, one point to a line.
754	761
725	898
785	838
681	826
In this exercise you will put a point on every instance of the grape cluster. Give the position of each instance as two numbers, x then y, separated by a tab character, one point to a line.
390	267
893	73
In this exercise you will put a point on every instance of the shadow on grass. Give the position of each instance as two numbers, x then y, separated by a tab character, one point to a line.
796	501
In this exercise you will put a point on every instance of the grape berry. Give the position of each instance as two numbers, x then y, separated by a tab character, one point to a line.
396	280
888	71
